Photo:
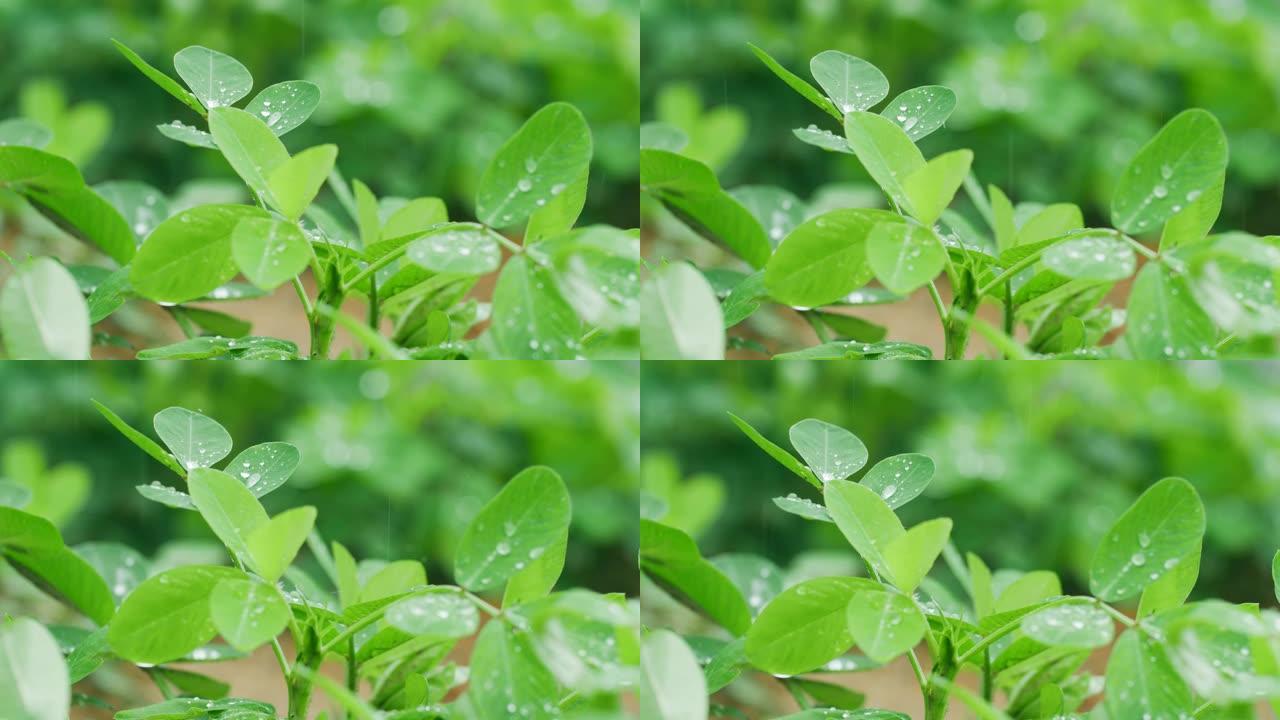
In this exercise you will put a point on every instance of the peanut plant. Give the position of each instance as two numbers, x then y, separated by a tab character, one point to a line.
1194	294
561	293
1017	632
540	654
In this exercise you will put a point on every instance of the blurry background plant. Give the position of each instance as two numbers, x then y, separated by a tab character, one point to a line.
1034	462
398	457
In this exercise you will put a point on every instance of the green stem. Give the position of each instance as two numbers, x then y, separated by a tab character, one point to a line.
302	297
818	328
937	694
374	267
801	701
937	303
918	670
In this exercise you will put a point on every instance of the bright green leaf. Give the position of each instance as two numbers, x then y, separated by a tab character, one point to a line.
197	441
295	182
253	151
910	556
189	255
34	682
528	515
680	317
274	544
217	79
167	616
548	153
285	105
851	82
904	256
805	626
231	511
933	187
832	452
899	479
866	521
43	315
825	258
888	155
1182	162
269	251
247	613
920	111
884	624
1160	530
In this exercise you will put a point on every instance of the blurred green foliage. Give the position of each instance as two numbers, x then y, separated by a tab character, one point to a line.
419	94
1034	461
1055	96
397	458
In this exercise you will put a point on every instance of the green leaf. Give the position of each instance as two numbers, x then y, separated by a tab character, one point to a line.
394	578
147	445
691	191
347	582
218	80
84	214
786	459
796	83
1163	320
531	321
671	557
197	441
851	82
285	105
1029	589
920	111
274	544
142	206
933	187
803	507
911	556
65	576
200	708
88	655
866	521
266	466
458	249
120	566
672	684
22	168
23	530
1142	683
596	270
437	614
889	156
551	151
295	182
662	136
1161	529
884	624
528	515
757	578
231	511
506	678
416	216
680	317
167	616
1076	625
1172	589
253	151
269	251
25	132
1091	255
1182	162
247	613
824	259
1005	229
1196	220
1049	222
980	589
34	682
186	134
43	315
824	139
559	214
904	256
899	479
539	576
189	255
778	211
832	452
805	626
165	82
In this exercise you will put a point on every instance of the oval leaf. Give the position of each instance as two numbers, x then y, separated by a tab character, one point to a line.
832	452
547	154
920	111
1164	526
215	78
516	526
167	616
43	315
1183	161
189	255
286	105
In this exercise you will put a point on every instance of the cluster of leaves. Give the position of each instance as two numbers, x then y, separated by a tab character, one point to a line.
1196	295
559	291
542	654
1025	639
1059	93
